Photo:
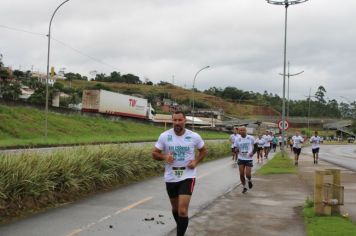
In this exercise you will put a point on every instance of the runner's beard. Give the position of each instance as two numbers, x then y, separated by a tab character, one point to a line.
178	129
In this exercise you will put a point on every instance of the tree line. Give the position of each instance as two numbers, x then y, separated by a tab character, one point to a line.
315	105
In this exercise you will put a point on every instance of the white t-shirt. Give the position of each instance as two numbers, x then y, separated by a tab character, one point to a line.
183	150
315	141
280	139
267	139
260	142
233	138
245	147
297	141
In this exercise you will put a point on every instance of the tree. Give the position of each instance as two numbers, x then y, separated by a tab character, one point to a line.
19	74
345	110
39	96
11	90
320	94
131	79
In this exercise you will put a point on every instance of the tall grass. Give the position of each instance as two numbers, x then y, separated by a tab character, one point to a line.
31	181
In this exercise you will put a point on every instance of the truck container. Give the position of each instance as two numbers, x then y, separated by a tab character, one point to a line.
107	102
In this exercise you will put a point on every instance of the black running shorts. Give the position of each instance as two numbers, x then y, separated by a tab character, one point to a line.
315	150
248	163
297	150
184	187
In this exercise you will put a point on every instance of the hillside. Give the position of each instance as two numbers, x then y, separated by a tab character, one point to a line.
25	127
180	95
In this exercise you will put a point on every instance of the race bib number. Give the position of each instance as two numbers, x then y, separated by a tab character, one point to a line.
178	171
244	150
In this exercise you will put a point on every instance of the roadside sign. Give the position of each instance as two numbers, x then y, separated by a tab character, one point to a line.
280	125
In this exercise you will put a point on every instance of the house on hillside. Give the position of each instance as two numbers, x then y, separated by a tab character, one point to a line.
51	80
26	92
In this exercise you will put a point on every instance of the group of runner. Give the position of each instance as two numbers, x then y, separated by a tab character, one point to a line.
176	147
296	146
263	144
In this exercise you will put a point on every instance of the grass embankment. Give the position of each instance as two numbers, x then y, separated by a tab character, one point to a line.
33	181
24	127
326	225
278	165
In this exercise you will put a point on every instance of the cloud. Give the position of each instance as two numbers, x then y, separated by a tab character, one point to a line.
242	41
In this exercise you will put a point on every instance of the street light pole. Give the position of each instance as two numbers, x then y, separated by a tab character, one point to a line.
47	78
286	3
289	75
309	111
196	74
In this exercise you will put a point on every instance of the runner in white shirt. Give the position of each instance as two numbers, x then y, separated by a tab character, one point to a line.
245	149
315	141
267	146
232	141
297	146
260	143
280	140
177	148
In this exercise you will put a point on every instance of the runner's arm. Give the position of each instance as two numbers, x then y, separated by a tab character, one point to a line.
202	152
158	155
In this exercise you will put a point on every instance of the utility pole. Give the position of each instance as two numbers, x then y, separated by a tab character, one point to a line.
286	4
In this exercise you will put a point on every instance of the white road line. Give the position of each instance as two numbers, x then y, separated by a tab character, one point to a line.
127	208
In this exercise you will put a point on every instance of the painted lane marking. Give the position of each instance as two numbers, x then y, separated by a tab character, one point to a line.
122	210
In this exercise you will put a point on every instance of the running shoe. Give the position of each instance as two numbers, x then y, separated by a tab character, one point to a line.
244	190
250	185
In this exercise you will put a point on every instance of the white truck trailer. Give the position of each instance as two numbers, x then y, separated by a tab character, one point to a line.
106	102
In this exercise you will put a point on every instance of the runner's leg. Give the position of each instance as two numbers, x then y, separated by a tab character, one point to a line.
242	177
183	221
248	176
174	203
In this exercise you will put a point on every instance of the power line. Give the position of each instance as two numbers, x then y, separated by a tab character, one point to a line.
21	30
86	55
62	43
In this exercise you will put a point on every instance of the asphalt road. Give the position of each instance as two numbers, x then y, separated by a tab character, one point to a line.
341	155
138	209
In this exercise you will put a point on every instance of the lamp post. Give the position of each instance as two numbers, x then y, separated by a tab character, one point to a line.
196	74
48	53
288	75
309	98
286	4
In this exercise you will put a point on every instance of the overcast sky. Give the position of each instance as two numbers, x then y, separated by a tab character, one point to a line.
170	40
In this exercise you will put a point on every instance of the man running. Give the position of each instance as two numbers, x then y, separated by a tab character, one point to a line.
280	140
274	143
260	143
267	145
245	149
315	141
176	147
297	146
232	141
